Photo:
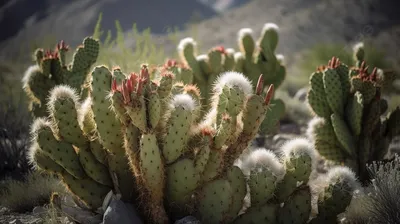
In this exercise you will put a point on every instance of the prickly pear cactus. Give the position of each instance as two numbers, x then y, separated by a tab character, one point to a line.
350	126
145	139
252	60
51	69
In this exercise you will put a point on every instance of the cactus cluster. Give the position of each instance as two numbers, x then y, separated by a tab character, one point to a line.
143	139
350	126
253	59
51	69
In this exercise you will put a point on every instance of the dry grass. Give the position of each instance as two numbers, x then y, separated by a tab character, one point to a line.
24	195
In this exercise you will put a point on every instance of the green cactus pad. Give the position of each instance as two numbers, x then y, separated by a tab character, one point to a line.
177	133
137	112
182	180
354	112
266	213
202	155
343	134
151	166
154	109
254	114
63	108
343	71
334	90
61	152
118	107
337	194
108	127
237	181
94	169
86	189
297	208
275	112
98	151
215	200
319	105
262	183
43	161
214	165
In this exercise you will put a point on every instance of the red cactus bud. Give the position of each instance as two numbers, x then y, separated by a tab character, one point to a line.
260	85
62	46
373	75
114	85
220	49
270	93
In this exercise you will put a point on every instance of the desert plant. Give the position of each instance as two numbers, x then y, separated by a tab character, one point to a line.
252	60
378	203
140	137
33	190
115	50
14	126
51	69
348	106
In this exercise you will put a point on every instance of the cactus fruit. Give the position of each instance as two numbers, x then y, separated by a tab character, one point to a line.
51	70
348	127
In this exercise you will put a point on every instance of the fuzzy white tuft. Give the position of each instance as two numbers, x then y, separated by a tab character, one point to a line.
183	100
298	147
238	56
270	26
28	73
313	125
230	51
32	150
358	46
342	174
265	158
202	57
280	58
185	42
233	79
245	32
85	108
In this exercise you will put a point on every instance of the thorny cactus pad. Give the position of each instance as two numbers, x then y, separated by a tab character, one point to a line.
350	125
51	69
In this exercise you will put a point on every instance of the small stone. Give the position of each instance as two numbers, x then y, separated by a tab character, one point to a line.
121	213
188	220
301	94
16	221
38	210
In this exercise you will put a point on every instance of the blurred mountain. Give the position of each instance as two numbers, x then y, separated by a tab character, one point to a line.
24	20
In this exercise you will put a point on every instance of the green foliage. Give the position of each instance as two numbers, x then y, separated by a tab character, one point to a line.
34	190
114	50
14	125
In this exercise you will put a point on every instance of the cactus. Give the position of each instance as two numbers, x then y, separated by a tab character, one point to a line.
252	60
167	162
350	126
51	69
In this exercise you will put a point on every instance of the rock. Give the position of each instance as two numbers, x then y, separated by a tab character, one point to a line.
16	221
301	94
188	220
121	213
38	210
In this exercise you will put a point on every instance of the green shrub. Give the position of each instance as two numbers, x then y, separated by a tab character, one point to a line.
34	190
